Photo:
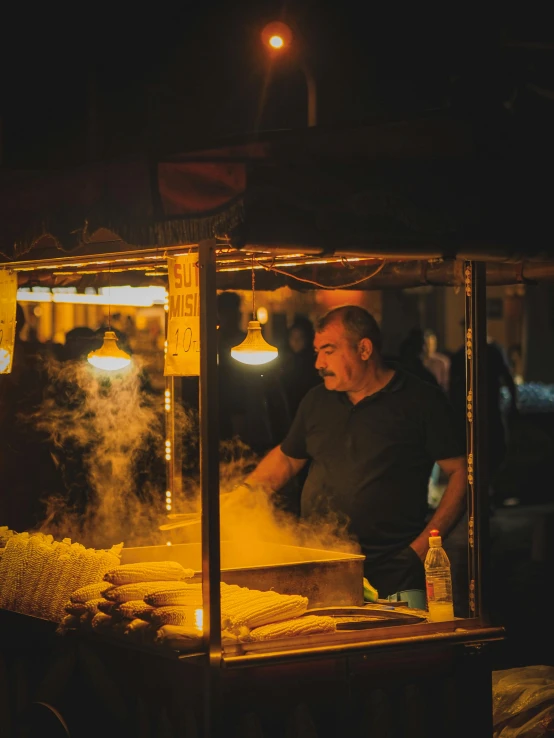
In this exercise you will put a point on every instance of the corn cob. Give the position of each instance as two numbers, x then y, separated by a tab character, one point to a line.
173	615
178	637
137	628
68	622
252	608
11	569
5	535
189	594
107	607
32	564
307	625
47	585
92	605
90	591
101	621
134	609
75	608
148	571
65	583
139	590
100	562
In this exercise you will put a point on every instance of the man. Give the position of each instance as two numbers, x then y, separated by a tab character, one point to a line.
372	434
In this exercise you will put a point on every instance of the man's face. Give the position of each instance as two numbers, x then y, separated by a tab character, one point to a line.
339	363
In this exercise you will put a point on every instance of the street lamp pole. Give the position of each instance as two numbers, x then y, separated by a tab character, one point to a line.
311	88
277	37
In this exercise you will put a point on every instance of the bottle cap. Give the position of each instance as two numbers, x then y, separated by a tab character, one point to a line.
435	539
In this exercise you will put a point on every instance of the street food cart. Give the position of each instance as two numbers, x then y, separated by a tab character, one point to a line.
330	208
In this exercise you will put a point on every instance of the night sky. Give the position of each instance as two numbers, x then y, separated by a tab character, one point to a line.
111	84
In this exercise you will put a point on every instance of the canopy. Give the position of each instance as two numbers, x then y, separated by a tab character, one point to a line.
415	187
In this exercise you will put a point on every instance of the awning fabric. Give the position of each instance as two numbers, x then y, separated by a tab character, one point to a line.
396	187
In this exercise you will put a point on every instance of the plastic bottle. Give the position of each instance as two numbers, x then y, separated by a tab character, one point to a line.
438	581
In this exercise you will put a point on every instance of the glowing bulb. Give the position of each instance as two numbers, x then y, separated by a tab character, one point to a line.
168	443
109	356
261	314
254	349
168	543
276	42
168	493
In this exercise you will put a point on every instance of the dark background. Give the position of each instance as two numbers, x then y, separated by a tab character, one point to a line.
96	82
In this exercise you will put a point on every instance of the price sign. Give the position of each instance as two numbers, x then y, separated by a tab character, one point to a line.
182	357
8	297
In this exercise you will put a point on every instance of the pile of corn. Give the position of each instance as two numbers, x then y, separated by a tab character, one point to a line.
152	602
117	604
37	573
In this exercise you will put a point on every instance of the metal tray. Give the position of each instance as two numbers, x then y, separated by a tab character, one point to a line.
361	618
325	577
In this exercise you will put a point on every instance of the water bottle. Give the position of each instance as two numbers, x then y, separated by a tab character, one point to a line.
438	581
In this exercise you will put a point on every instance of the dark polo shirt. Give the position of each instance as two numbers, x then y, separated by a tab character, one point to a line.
370	462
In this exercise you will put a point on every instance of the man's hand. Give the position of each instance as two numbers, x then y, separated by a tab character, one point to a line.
451	506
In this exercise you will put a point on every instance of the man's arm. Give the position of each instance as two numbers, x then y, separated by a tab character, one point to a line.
274	470
450	508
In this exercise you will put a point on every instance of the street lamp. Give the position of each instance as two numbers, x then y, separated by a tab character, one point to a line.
277	38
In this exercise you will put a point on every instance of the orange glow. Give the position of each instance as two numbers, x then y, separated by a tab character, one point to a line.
276	42
276	36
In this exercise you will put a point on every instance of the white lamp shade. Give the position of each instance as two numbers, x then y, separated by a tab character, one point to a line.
109	357
254	349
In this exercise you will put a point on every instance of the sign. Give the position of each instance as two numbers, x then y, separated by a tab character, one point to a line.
8	296
182	357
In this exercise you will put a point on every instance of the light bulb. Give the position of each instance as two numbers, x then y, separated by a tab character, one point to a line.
254	349
109	356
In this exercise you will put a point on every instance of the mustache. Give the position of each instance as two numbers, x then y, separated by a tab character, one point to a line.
323	373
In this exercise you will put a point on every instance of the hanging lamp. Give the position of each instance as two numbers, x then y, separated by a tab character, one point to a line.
254	349
109	357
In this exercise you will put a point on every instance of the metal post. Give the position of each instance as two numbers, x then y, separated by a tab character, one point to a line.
476	427
209	479
311	88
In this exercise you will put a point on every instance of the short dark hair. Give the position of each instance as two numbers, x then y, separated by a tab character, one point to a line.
357	321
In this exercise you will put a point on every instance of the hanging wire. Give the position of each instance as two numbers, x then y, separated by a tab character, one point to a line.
253	292
109	300
318	284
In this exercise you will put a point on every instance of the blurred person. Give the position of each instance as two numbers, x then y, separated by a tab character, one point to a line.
27	471
435	361
411	356
298	368
79	342
371	433
497	375
252	401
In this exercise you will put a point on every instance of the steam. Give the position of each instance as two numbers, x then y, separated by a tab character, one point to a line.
108	439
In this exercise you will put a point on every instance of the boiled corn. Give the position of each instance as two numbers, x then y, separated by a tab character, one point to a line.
139	590
173	615
134	609
147	571
90	591
101	621
307	625
75	608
